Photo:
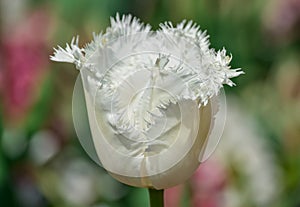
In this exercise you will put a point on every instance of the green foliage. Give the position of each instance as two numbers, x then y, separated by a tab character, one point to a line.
41	109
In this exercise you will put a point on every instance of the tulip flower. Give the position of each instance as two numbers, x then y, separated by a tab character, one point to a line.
151	98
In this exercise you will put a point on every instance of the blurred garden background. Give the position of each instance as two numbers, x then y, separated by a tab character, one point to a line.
257	163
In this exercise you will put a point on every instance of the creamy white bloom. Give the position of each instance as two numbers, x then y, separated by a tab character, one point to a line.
151	97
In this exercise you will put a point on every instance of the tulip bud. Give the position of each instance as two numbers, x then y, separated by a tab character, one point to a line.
151	99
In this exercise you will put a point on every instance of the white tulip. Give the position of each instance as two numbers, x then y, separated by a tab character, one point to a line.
150	98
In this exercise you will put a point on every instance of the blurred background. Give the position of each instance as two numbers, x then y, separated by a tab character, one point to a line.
257	163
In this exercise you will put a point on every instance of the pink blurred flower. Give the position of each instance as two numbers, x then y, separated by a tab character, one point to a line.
1	68
24	58
207	185
172	196
283	17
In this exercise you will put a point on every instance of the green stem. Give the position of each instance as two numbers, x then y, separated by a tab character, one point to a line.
156	197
